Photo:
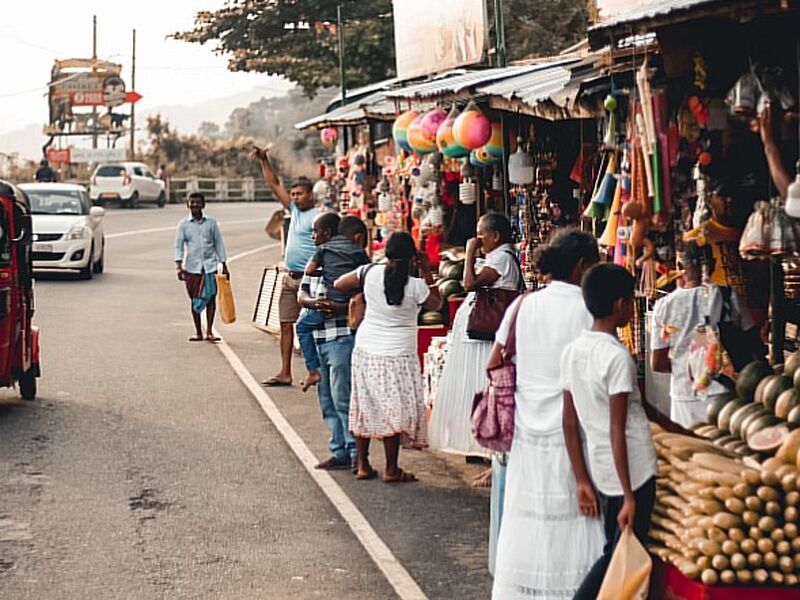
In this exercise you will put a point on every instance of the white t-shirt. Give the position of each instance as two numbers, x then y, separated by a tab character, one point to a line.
548	321
595	367
675	318
390	330
502	261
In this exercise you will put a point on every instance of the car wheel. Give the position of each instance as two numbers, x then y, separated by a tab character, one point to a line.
100	265
134	201
161	200
27	384
87	272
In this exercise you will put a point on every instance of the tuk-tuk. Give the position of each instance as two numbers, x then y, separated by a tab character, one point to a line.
19	339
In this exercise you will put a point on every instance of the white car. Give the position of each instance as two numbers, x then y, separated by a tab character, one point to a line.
67	229
128	183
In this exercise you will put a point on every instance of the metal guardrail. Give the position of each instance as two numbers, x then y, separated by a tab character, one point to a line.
215	189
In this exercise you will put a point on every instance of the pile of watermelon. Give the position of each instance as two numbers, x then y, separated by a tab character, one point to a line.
757	419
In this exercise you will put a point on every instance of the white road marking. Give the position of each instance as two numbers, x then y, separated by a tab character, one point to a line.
396	574
172	228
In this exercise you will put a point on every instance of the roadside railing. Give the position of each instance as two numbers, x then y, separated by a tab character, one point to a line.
215	189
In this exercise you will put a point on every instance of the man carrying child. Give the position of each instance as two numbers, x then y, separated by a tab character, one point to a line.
601	397
325	337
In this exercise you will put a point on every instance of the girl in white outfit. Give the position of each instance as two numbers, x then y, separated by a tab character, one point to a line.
546	546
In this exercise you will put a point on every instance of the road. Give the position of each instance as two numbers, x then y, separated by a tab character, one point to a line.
147	469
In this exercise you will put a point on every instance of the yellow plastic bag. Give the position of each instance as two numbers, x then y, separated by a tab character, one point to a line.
628	574
225	303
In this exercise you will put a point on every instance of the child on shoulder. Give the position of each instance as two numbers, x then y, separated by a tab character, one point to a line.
340	249
601	398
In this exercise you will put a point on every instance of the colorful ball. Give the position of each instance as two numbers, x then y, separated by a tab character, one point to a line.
431	121
481	158
416	138
400	129
495	144
445	140
329	136
472	129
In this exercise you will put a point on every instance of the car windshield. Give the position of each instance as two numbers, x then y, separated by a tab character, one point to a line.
62	202
110	171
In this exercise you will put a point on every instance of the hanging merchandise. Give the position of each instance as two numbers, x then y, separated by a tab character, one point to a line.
610	104
481	158
472	129
400	129
495	144
329	136
431	122
603	197
445	139
497	181
520	166
755	239
467	189
417	139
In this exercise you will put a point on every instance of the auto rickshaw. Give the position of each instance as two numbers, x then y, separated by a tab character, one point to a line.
19	339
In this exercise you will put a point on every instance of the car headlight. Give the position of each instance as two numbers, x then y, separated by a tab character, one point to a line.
78	232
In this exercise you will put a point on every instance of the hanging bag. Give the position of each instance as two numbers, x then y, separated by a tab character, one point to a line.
357	307
628	574
493	408
489	307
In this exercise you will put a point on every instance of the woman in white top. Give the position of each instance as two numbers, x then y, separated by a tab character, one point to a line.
464	373
546	546
387	399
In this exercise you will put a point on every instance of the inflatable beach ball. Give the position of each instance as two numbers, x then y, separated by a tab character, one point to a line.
416	137
495	144
482	158
445	139
472	129
431	122
329	136
400	129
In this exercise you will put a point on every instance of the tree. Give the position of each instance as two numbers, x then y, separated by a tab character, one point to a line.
209	130
544	27
299	39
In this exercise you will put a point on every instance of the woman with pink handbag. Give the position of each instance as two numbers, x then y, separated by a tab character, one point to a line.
546	546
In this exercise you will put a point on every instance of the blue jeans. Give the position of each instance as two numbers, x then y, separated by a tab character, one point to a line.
310	321
334	394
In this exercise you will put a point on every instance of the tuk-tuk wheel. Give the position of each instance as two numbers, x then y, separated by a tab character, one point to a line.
27	384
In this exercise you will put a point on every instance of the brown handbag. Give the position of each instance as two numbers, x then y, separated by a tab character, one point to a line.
488	308
357	307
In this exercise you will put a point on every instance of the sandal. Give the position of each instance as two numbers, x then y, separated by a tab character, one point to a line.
195	338
401	477
213	339
371	474
275	382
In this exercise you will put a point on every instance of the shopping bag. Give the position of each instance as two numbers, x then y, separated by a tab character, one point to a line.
226	305
628	574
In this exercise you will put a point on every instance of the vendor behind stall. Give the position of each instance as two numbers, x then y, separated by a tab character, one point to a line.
675	319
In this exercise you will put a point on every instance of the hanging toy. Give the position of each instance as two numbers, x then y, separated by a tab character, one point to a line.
610	104
603	197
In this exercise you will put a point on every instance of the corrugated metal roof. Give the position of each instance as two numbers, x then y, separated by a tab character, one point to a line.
457	82
649	10
374	106
533	87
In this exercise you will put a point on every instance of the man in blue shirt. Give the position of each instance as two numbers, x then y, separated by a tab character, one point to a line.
198	252
302	206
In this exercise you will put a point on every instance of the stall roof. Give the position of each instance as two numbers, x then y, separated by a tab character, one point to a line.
372	106
657	13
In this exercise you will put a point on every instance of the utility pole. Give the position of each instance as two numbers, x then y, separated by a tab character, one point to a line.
133	104
94	57
500	34
340	31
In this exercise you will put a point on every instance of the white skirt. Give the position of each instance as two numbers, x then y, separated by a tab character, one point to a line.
463	376
546	545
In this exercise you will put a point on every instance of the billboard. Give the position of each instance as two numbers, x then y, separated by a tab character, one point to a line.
432	36
85	155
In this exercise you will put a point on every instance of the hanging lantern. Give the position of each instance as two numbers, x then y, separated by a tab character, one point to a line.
472	129
400	129
495	144
416	138
520	166
445	140
467	192
329	136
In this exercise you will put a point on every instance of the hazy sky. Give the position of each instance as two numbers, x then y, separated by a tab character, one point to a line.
36	32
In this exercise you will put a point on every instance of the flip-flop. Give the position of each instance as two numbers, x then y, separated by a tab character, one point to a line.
213	339
401	477
371	474
194	338
275	382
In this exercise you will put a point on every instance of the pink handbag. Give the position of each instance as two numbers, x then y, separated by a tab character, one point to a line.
493	408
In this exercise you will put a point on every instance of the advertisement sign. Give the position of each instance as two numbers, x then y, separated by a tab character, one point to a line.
58	155
90	89
85	155
434	36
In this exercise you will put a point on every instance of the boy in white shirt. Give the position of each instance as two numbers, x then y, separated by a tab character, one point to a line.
601	397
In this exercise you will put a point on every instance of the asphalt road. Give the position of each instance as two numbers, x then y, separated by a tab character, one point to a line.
146	469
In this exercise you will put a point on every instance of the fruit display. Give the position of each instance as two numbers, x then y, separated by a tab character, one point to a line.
720	520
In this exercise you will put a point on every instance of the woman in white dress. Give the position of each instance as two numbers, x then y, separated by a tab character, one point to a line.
464	373
546	546
387	400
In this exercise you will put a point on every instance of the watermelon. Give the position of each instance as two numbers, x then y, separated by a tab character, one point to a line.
758	424
792	364
738	417
774	388
793	418
786	402
724	417
431	317
796	380
745	423
715	405
758	397
449	288
749	378
768	439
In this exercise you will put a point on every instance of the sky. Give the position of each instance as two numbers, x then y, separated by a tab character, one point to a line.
168	72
